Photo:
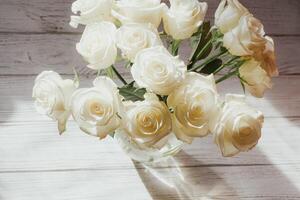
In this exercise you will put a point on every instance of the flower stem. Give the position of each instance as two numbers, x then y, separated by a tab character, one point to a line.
119	75
175	47
226	64
193	59
226	76
199	67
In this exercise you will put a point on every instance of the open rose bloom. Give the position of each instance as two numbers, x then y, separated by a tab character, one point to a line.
168	102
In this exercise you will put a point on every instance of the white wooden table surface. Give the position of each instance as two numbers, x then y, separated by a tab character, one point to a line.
38	164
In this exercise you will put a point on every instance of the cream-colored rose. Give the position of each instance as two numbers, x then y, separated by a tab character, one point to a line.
98	45
97	109
148	121
157	70
267	57
183	18
236	126
132	38
138	11
246	38
52	96
257	80
91	11
228	14
192	104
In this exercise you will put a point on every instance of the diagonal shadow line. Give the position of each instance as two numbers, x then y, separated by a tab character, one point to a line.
203	181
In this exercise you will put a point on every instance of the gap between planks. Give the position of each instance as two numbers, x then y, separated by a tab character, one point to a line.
137	167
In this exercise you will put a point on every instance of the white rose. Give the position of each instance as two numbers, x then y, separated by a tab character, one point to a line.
228	14
183	18
132	38
97	45
97	109
148	121
267	57
138	11
257	80
91	11
157	70
52	95
246	38
192	104
236	126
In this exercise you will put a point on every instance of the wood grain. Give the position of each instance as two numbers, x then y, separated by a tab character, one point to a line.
33	53
73	185
39	148
234	183
279	17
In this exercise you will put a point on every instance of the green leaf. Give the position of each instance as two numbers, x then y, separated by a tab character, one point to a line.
200	37
205	43
205	51
212	66
205	30
223	49
208	60
203	36
132	93
217	35
194	41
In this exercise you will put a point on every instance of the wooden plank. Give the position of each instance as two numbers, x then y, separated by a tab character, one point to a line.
75	185
31	54
279	17
35	16
234	183
282	101
36	146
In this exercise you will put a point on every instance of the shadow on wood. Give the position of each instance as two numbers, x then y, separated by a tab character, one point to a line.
209	181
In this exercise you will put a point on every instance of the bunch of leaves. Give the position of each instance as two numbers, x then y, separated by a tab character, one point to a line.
201	44
132	93
233	67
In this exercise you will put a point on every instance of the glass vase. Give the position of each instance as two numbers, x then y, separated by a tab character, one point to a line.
145	154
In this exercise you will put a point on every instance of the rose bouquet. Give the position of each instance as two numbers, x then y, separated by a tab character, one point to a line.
171	101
